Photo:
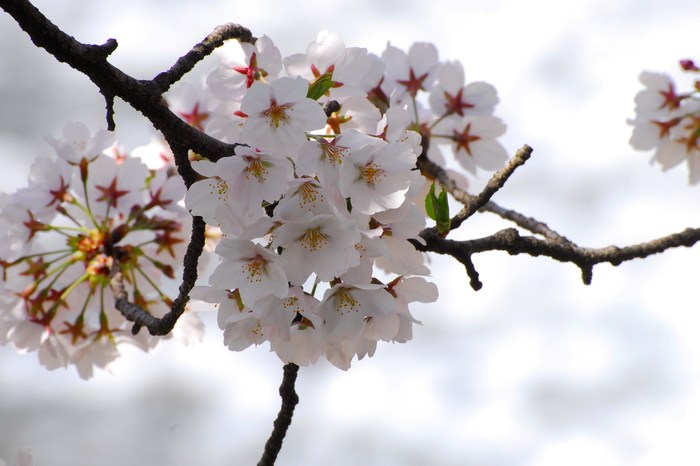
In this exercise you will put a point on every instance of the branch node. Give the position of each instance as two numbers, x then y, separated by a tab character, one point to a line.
108	47
586	273
474	281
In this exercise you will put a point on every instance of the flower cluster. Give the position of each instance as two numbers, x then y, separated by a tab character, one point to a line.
86	214
668	121
317	210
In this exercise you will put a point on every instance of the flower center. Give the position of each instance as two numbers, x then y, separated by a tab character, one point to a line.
308	194
254	269
256	167
277	113
314	239
332	153
372	173
345	303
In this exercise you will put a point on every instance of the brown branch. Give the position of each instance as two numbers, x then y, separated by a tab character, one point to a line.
146	97
284	417
495	183
143	95
141	317
214	40
436	172
529	223
510	241
554	245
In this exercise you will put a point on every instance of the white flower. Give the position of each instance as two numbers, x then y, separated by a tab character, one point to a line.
256	271
226	122
237	73
190	104
323	244
240	334
356	112
98	353
117	186
659	94
668	122
237	186
407	74
451	97
78	144
474	142
345	307
228	304
167	192
280	316
155	155
306	196
323	159
278	115
377	177
49	186
328	54
55	298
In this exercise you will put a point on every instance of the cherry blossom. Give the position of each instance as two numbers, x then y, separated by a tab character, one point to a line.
78	144
312	215
93	216
451	97
278	114
254	270
473	141
377	176
236	73
409	73
346	66
322	244
668	122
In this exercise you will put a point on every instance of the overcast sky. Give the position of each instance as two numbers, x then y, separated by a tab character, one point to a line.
534	369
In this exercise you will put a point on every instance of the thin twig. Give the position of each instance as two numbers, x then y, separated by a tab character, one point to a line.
510	240
531	224
284	417
434	171
91	60
214	40
495	183
141	317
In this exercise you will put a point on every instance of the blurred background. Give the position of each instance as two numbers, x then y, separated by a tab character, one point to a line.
534	369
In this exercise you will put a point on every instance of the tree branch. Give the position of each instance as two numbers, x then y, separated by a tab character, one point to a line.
146	97
143	95
141	317
214	40
510	241
435	172
495	183
284	417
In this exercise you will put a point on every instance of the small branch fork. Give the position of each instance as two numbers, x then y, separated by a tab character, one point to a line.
143	95
552	245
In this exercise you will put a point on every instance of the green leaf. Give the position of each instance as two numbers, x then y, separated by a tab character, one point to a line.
430	200
438	209
319	87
